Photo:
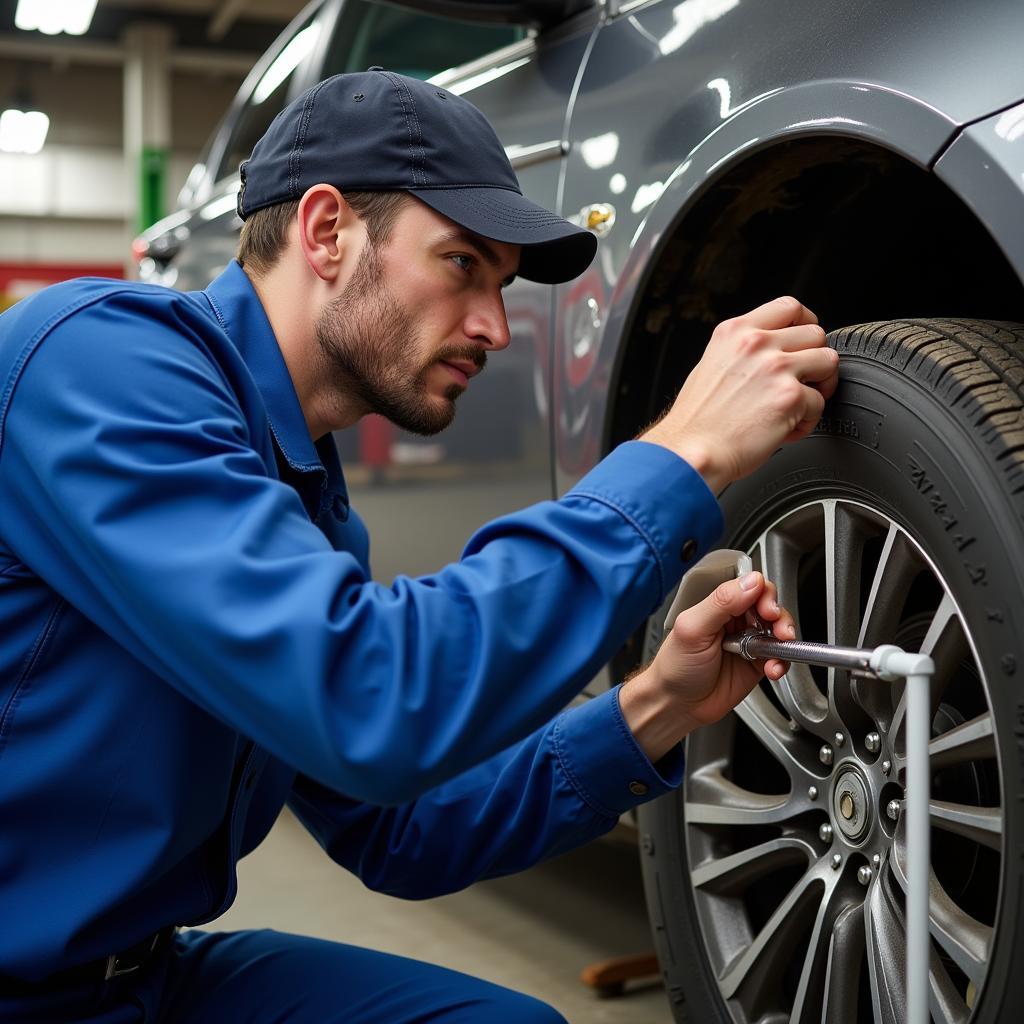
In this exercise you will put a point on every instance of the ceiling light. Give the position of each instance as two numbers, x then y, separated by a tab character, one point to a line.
53	16
23	131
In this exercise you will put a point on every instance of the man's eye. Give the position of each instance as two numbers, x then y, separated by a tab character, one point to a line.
463	261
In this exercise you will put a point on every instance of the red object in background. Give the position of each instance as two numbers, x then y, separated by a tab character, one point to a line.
17	280
375	434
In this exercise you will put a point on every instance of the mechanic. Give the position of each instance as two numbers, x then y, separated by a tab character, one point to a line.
190	635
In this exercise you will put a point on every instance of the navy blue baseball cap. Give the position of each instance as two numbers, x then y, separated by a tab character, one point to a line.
379	131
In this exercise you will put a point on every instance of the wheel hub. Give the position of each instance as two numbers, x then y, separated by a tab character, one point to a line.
851	804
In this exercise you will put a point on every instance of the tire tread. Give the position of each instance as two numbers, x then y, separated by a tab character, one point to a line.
976	367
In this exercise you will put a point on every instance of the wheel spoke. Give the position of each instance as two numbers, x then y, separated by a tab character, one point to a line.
982	824
797	691
845	537
820	958
946	1004
774	943
845	957
970	741
885	937
763	719
734	873
895	573
946	644
898	567
965	939
719	801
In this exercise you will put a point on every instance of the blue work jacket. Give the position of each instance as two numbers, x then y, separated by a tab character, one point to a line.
190	637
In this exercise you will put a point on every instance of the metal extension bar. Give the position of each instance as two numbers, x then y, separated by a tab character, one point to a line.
888	664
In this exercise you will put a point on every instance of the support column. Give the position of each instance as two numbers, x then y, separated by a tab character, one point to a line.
147	122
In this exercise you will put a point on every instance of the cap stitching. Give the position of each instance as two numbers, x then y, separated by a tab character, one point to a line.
294	170
415	139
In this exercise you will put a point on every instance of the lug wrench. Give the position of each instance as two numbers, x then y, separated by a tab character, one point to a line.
887	664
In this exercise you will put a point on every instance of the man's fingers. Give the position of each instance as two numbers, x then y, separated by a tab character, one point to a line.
784	311
703	622
813	365
800	338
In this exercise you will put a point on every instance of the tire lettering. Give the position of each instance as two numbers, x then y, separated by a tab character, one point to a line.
926	487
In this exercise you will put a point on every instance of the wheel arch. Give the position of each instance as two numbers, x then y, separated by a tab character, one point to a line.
738	223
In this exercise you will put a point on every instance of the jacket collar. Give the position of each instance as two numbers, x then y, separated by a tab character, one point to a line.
317	469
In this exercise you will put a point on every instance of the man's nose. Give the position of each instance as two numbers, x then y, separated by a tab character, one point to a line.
487	323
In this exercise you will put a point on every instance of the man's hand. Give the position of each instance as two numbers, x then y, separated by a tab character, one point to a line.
691	682
762	381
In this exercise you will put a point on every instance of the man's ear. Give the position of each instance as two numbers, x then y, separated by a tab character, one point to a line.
328	230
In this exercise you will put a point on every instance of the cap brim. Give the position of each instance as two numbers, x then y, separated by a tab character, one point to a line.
554	249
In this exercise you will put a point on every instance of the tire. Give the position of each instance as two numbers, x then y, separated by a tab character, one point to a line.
915	473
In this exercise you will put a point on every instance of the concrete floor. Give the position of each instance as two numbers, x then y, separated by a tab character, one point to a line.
533	932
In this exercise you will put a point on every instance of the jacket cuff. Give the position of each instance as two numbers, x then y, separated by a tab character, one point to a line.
664	498
603	762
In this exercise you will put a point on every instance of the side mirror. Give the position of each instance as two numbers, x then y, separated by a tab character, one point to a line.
536	13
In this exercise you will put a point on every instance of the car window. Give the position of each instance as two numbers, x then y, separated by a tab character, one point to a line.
268	98
409	42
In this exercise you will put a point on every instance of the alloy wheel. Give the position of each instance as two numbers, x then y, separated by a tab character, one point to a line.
793	805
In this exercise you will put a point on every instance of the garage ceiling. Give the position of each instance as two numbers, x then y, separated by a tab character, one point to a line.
236	25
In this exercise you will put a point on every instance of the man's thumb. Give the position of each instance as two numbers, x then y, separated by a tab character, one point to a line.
727	601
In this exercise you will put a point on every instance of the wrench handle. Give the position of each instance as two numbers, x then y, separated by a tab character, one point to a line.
755	646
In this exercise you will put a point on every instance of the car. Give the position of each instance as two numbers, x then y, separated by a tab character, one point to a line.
867	158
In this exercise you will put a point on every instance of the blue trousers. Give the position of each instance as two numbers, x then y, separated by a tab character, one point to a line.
259	977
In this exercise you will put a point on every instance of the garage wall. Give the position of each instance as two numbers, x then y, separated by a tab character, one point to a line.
71	202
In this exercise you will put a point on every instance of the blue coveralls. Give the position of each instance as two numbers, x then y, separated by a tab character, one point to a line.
190	638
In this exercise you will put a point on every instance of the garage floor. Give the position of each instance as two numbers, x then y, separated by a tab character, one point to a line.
533	932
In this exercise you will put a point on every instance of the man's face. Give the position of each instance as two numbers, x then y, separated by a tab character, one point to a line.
416	320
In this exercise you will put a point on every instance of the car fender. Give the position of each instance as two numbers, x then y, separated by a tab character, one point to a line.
869	112
984	166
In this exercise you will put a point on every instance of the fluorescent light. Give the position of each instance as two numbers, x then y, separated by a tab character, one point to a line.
287	61
23	131
53	16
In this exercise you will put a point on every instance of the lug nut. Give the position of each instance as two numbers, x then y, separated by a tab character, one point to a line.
825	833
864	874
836	861
839	738
812	792
794	726
872	741
825	755
892	808
876	861
886	767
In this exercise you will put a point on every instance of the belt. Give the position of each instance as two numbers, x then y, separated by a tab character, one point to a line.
129	961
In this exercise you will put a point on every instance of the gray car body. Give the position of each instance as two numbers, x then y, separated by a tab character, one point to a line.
647	106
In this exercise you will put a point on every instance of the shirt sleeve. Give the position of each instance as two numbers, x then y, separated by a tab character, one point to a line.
131	480
561	787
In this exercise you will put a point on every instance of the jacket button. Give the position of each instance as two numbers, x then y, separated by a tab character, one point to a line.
638	788
689	549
